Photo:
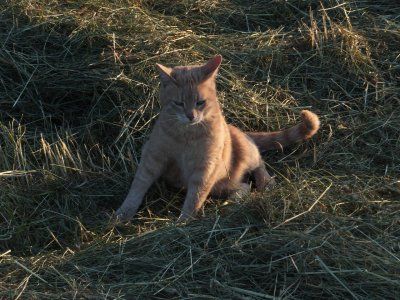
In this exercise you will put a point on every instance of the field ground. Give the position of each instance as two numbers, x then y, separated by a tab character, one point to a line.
78	96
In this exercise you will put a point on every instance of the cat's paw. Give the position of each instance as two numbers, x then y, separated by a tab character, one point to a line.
182	218
270	184
185	217
124	214
242	192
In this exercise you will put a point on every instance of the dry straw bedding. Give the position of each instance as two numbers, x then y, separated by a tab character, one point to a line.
78	96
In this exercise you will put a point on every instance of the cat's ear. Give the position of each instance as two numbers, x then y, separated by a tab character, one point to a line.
165	74
210	69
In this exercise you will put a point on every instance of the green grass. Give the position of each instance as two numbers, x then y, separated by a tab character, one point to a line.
78	96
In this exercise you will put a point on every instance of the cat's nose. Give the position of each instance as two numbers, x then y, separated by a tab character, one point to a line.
190	116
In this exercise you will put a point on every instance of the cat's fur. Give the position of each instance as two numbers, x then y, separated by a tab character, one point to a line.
192	147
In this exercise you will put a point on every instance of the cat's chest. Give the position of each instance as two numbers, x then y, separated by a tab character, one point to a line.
189	158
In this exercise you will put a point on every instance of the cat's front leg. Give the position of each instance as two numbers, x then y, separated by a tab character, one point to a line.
150	169
199	187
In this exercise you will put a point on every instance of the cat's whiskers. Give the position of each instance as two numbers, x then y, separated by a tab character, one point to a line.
205	127
171	118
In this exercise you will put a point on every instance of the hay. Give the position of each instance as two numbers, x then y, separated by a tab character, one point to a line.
78	96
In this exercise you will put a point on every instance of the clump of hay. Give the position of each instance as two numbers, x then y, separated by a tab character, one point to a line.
78	95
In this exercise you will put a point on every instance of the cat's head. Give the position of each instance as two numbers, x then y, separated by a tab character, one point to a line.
188	93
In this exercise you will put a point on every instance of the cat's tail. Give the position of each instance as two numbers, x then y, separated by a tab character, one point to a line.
279	139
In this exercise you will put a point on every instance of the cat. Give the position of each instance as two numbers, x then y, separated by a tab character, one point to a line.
192	147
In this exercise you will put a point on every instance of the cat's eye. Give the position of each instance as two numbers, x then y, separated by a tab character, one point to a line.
178	103
200	103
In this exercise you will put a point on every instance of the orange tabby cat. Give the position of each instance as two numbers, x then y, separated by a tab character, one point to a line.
192	147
